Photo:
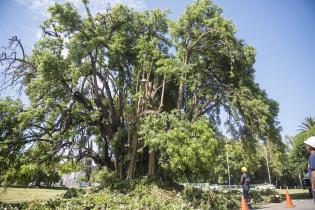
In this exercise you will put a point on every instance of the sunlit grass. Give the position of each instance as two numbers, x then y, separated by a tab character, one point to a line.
295	193
16	195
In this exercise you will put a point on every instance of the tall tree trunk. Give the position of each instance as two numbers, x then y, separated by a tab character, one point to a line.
180	98
180	95
121	175
151	171
119	167
133	153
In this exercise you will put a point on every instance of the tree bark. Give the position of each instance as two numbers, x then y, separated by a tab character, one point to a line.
133	153
180	95
151	171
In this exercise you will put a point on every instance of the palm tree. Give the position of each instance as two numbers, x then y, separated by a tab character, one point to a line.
307	124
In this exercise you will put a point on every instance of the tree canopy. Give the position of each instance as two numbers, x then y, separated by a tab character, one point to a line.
137	92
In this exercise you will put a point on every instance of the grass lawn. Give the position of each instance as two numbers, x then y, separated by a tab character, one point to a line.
295	193
17	195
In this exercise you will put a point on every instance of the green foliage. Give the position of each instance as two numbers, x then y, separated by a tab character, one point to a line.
71	193
185	148
307	124
21	167
265	196
108	179
227	200
69	166
13	206
149	195
11	135
211	199
239	156
297	158
31	173
119	140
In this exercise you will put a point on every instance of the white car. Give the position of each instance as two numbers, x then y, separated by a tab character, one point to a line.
266	187
215	187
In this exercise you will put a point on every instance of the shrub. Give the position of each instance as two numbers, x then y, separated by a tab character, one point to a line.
264	196
148	194
71	193
211	199
226	200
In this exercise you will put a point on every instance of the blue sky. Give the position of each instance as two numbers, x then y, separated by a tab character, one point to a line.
282	31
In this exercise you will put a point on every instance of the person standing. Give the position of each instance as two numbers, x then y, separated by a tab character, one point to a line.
310	147
245	180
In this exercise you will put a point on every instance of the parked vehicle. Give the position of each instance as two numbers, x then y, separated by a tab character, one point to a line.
32	184
215	187
266	186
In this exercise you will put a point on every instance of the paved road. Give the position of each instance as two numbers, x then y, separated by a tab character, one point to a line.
298	205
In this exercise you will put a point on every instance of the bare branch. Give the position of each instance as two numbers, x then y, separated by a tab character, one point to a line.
16	69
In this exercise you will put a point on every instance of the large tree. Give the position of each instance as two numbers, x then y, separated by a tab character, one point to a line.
96	80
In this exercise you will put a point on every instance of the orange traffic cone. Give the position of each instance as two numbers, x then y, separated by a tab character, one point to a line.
244	204
288	199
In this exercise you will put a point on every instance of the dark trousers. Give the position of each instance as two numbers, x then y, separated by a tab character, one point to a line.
246	194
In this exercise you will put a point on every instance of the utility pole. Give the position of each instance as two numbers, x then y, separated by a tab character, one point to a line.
228	165
267	164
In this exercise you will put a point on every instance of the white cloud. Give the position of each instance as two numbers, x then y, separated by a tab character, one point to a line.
39	7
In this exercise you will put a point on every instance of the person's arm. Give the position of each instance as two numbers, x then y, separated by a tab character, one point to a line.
312	168
313	180
241	182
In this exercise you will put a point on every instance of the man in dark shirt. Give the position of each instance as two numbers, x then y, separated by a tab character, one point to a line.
245	185
310	147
